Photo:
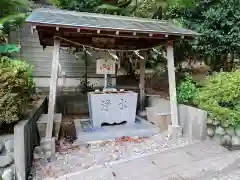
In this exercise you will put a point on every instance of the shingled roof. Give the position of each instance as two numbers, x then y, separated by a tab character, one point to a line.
71	19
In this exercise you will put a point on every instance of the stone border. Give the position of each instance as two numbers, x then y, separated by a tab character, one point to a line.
26	137
224	134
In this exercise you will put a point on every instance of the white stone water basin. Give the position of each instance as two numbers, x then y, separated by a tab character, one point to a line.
112	108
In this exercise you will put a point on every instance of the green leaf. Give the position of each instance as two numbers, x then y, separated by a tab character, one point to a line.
108	8
9	48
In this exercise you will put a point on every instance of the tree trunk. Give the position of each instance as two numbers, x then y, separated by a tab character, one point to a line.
231	62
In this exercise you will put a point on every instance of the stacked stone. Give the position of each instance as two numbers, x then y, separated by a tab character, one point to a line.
223	133
7	159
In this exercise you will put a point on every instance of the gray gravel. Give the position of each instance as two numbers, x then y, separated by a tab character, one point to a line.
72	158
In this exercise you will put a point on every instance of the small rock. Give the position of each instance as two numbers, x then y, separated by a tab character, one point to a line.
5	160
236	141
237	131
9	145
1	147
8	174
230	131
219	131
226	140
210	132
209	121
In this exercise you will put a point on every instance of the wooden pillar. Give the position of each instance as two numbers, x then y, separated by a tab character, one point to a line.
172	84
53	88
142	83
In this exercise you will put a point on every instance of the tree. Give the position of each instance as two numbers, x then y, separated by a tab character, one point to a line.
119	7
159	9
12	15
218	22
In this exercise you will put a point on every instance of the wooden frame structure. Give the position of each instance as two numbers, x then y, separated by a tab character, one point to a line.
123	33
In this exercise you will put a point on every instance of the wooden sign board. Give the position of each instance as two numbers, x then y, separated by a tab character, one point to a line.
106	41
105	66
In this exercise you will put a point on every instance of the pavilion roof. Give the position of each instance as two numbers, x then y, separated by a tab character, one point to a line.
102	30
56	17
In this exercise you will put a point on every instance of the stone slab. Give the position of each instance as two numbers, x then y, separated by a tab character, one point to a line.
141	128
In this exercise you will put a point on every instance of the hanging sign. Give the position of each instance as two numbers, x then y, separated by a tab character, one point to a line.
105	66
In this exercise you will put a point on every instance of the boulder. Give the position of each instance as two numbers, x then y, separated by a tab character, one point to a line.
225	124
216	122
210	132
219	131
9	145
5	160
237	131
226	140
1	147
236	141
8	174
230	131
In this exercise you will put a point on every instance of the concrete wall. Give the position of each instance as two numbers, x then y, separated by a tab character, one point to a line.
26	137
192	120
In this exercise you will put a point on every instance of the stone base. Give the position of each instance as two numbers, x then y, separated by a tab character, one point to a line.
49	146
42	124
174	131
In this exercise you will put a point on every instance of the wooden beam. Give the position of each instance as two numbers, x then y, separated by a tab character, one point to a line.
53	88
142	82
172	84
129	33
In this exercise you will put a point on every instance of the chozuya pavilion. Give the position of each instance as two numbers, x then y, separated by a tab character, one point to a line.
109	34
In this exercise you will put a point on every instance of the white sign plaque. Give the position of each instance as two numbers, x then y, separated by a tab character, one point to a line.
105	66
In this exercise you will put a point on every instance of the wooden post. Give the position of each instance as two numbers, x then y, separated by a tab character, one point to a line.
142	83
172	84
53	88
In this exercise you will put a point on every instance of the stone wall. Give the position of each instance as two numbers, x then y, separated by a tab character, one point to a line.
223	133
7	157
195	120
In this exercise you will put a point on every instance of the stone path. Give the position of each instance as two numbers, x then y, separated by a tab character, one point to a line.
198	161
71	158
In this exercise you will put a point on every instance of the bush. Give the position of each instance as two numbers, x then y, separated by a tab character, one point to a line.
16	88
220	96
187	90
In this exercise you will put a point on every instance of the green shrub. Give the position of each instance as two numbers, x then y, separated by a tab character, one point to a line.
187	90
220	96
16	88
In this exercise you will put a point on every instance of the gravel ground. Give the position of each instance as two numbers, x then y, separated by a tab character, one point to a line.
74	158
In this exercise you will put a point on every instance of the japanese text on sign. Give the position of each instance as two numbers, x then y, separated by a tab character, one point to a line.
105	66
